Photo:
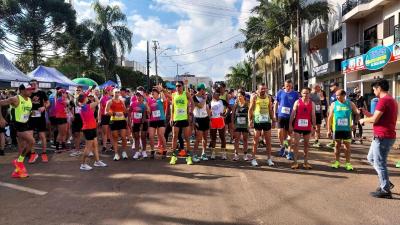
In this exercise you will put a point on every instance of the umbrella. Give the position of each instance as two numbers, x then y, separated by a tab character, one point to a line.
85	81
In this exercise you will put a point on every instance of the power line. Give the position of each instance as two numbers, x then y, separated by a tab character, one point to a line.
209	6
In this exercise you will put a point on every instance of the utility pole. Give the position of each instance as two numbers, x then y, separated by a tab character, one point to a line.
148	67
155	47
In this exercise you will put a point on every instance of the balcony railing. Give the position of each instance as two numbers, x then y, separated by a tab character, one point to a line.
397	33
351	4
360	48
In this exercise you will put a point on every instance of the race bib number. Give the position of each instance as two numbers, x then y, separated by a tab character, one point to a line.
119	115
78	110
137	115
323	107
302	123
241	120
264	118
285	110
156	114
36	113
317	108
181	111
24	118
343	122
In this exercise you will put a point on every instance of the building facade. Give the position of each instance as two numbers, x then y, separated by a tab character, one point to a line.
193	80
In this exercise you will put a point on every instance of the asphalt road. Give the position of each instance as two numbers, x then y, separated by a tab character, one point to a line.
214	192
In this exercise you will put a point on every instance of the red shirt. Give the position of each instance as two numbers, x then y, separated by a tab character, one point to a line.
385	127
303	116
88	120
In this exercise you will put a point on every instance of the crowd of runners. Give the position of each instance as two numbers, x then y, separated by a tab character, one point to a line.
131	121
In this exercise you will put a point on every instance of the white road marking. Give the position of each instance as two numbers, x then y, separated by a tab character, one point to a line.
22	188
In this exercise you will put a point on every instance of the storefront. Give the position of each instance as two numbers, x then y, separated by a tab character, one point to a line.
326	74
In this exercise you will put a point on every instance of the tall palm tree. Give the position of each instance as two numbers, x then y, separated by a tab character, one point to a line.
240	75
109	31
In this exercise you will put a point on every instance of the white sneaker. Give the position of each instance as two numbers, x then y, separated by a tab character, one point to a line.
124	155
236	157
247	157
270	163
144	154
137	155
75	153
85	167
99	164
116	157
212	155
254	162
223	156
90	154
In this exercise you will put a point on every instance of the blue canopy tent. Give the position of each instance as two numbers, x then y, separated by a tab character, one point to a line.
108	83
49	74
10	76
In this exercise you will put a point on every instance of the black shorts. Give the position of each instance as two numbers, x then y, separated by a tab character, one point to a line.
90	134
318	118
2	129
105	120
342	135
118	125
242	130
228	118
38	124
53	121
324	113
181	123
262	126
61	121
137	127
77	124
303	132
21	127
202	124
283	123
157	124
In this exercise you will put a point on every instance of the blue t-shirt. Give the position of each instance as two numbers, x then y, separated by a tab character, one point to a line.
333	98
286	101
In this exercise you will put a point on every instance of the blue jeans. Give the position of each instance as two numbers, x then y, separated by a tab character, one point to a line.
377	156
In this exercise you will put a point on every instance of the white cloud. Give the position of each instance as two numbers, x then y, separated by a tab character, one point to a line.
85	11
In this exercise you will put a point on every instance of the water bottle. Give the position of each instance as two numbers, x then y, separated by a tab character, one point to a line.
374	101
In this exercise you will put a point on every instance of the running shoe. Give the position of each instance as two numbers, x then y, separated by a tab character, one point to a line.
290	156
307	166
348	167
398	164
33	158
204	157
19	174
212	155
144	154
223	156
247	157
91	154
331	145
75	153
182	153
45	159
286	144
295	166
85	167
124	155
282	152
136	155
189	160
19	166
270	163
335	165
391	186
196	159
99	164
116	157
236	157
316	145
254	163
173	160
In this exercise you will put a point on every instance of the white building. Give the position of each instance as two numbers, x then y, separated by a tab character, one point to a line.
192	79
131	64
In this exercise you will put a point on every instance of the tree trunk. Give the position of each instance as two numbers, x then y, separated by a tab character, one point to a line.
254	79
292	51
300	77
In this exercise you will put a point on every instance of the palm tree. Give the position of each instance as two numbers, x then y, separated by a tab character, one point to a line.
240	75
109	31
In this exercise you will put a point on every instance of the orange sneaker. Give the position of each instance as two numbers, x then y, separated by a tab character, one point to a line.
33	158
45	159
182	153
19	166
19	174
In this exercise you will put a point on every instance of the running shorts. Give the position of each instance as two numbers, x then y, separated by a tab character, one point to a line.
61	121
283	123
202	124
77	124
53	121
318	118
342	136
90	134
303	132
228	118
105	120
157	124
217	123
242	130
21	127
137	127
118	125
262	126
181	123
38	124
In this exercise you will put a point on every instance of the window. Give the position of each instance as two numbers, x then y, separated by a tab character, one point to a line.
388	27
336	36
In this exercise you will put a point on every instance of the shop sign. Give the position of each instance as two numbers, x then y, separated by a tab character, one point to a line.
377	57
322	69
353	64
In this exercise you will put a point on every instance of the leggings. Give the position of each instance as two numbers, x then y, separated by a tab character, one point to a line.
213	134
168	130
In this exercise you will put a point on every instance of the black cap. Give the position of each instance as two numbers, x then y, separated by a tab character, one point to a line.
334	84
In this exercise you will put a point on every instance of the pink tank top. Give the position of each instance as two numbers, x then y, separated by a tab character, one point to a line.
138	112
61	108
303	116
103	104
88	120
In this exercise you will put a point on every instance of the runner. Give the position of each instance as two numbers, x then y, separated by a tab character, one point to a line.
219	109
157	119
316	99
115	108
201	113
340	125
104	118
334	86
61	115
21	106
324	106
303	120
240	125
384	120
283	106
77	122
261	117
180	120
231	102
37	120
89	128
52	116
361	104
137	113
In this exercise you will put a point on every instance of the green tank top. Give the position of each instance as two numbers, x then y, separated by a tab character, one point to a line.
180	106
22	112
261	111
342	116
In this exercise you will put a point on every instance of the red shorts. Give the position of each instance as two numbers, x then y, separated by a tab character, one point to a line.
217	123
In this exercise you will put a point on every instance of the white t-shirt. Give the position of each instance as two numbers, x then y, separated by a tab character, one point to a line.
200	112
217	108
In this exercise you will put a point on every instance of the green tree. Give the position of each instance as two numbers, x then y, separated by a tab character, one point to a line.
38	23
8	9
240	75
109	31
